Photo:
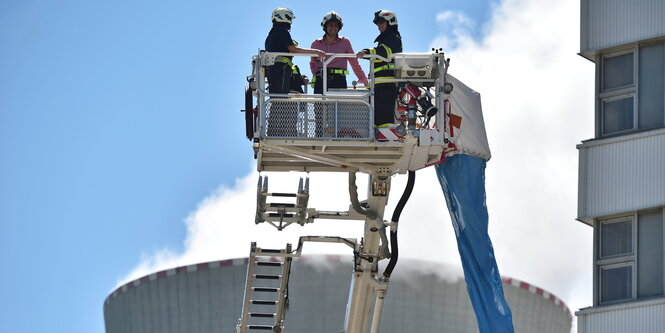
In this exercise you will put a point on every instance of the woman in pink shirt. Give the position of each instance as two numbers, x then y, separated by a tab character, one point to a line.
331	42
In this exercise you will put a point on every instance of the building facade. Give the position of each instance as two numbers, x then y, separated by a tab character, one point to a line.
622	169
423	297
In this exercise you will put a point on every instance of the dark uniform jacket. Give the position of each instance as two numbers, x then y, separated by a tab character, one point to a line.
389	42
282	76
278	40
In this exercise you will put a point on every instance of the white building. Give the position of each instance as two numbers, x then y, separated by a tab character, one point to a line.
622	169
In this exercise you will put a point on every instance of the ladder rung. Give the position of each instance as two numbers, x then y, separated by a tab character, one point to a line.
263	302
275	204
267	276
261	315
280	215
291	195
261	327
265	289
270	251
268	263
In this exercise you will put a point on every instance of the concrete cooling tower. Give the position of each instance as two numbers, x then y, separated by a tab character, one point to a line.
422	297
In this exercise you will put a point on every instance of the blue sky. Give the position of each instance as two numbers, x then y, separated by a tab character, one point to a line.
118	118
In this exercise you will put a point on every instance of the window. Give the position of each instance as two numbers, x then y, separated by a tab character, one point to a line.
616	238
650	254
630	257
618	115
652	70
618	71
616	259
616	283
632	90
617	93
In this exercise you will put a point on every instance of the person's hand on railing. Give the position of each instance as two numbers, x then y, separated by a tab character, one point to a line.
362	54
320	53
295	49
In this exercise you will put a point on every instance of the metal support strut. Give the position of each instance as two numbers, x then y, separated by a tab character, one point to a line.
365	283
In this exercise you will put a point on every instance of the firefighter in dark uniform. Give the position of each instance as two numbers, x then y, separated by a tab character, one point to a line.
283	76
388	42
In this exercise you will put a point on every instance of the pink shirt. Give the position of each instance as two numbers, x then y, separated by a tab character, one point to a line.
341	45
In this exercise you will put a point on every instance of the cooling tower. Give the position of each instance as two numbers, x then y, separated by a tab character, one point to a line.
422	297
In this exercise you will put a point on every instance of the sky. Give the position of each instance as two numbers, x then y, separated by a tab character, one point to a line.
122	147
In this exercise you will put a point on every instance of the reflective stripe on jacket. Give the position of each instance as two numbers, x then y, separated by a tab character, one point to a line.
389	42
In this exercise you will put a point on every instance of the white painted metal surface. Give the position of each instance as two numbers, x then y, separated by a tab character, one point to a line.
621	174
608	23
335	131
643	317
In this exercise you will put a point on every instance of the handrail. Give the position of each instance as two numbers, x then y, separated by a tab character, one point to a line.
365	94
324	72
262	91
333	56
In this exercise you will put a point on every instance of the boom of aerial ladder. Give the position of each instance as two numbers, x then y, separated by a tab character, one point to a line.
335	132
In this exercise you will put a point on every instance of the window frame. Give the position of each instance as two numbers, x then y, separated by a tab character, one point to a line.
633	275
626	91
621	257
617	260
624	259
617	93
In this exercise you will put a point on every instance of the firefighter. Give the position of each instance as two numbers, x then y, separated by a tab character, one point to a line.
282	75
332	42
388	42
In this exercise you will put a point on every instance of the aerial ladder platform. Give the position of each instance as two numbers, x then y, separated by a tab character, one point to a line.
335	132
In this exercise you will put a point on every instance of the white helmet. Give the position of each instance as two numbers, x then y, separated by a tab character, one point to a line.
385	15
331	16
281	14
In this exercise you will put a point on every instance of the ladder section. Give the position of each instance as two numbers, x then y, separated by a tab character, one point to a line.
282	214
266	290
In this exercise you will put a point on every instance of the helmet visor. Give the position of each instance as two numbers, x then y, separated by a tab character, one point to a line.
378	19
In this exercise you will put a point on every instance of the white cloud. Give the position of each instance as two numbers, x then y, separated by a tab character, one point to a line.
456	19
537	99
457	29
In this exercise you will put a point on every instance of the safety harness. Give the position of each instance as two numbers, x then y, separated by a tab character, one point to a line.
287	60
337	71
290	63
333	71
